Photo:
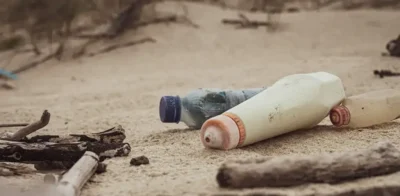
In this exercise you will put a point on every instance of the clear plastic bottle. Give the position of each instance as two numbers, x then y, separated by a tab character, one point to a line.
298	101
367	109
201	104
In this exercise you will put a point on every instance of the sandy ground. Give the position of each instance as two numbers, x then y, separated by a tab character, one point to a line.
124	87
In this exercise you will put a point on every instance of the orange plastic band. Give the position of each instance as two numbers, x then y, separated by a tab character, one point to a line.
240	125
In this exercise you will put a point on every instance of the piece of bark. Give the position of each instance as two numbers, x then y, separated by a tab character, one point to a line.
14	125
285	171
11	151
113	135
72	181
44	120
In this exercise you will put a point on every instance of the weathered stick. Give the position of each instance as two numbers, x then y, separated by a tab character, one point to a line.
283	171
112	135
14	125
72	181
11	151
44	120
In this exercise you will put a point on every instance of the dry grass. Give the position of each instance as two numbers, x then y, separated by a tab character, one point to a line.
55	21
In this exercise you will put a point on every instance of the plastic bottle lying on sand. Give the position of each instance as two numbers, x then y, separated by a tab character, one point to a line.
294	102
201	104
367	109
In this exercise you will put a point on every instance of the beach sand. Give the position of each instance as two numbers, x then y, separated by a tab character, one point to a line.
124	87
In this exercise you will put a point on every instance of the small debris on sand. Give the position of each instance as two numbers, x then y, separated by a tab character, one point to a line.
141	160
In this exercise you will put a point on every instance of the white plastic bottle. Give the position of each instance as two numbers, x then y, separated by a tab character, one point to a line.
294	102
367	109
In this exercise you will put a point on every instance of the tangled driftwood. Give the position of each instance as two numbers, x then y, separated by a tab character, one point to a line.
60	151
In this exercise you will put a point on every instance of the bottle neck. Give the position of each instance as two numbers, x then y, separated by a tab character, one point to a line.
186	118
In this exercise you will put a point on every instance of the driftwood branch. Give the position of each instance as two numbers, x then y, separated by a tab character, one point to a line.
42	122
112	135
285	171
72	181
11	151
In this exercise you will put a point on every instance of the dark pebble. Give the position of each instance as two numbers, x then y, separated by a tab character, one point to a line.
141	160
101	168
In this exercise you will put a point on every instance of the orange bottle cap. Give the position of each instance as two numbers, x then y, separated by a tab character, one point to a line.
339	116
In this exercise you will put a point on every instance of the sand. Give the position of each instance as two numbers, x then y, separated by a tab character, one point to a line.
124	87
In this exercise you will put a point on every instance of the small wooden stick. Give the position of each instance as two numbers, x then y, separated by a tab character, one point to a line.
72	181
284	171
14	125
44	120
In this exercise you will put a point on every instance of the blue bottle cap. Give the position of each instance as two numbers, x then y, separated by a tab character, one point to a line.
170	109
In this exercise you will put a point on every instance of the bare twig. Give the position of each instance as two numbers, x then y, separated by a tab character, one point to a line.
44	120
14	125
117	46
283	171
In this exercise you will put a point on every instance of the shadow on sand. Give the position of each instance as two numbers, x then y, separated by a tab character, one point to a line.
311	138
